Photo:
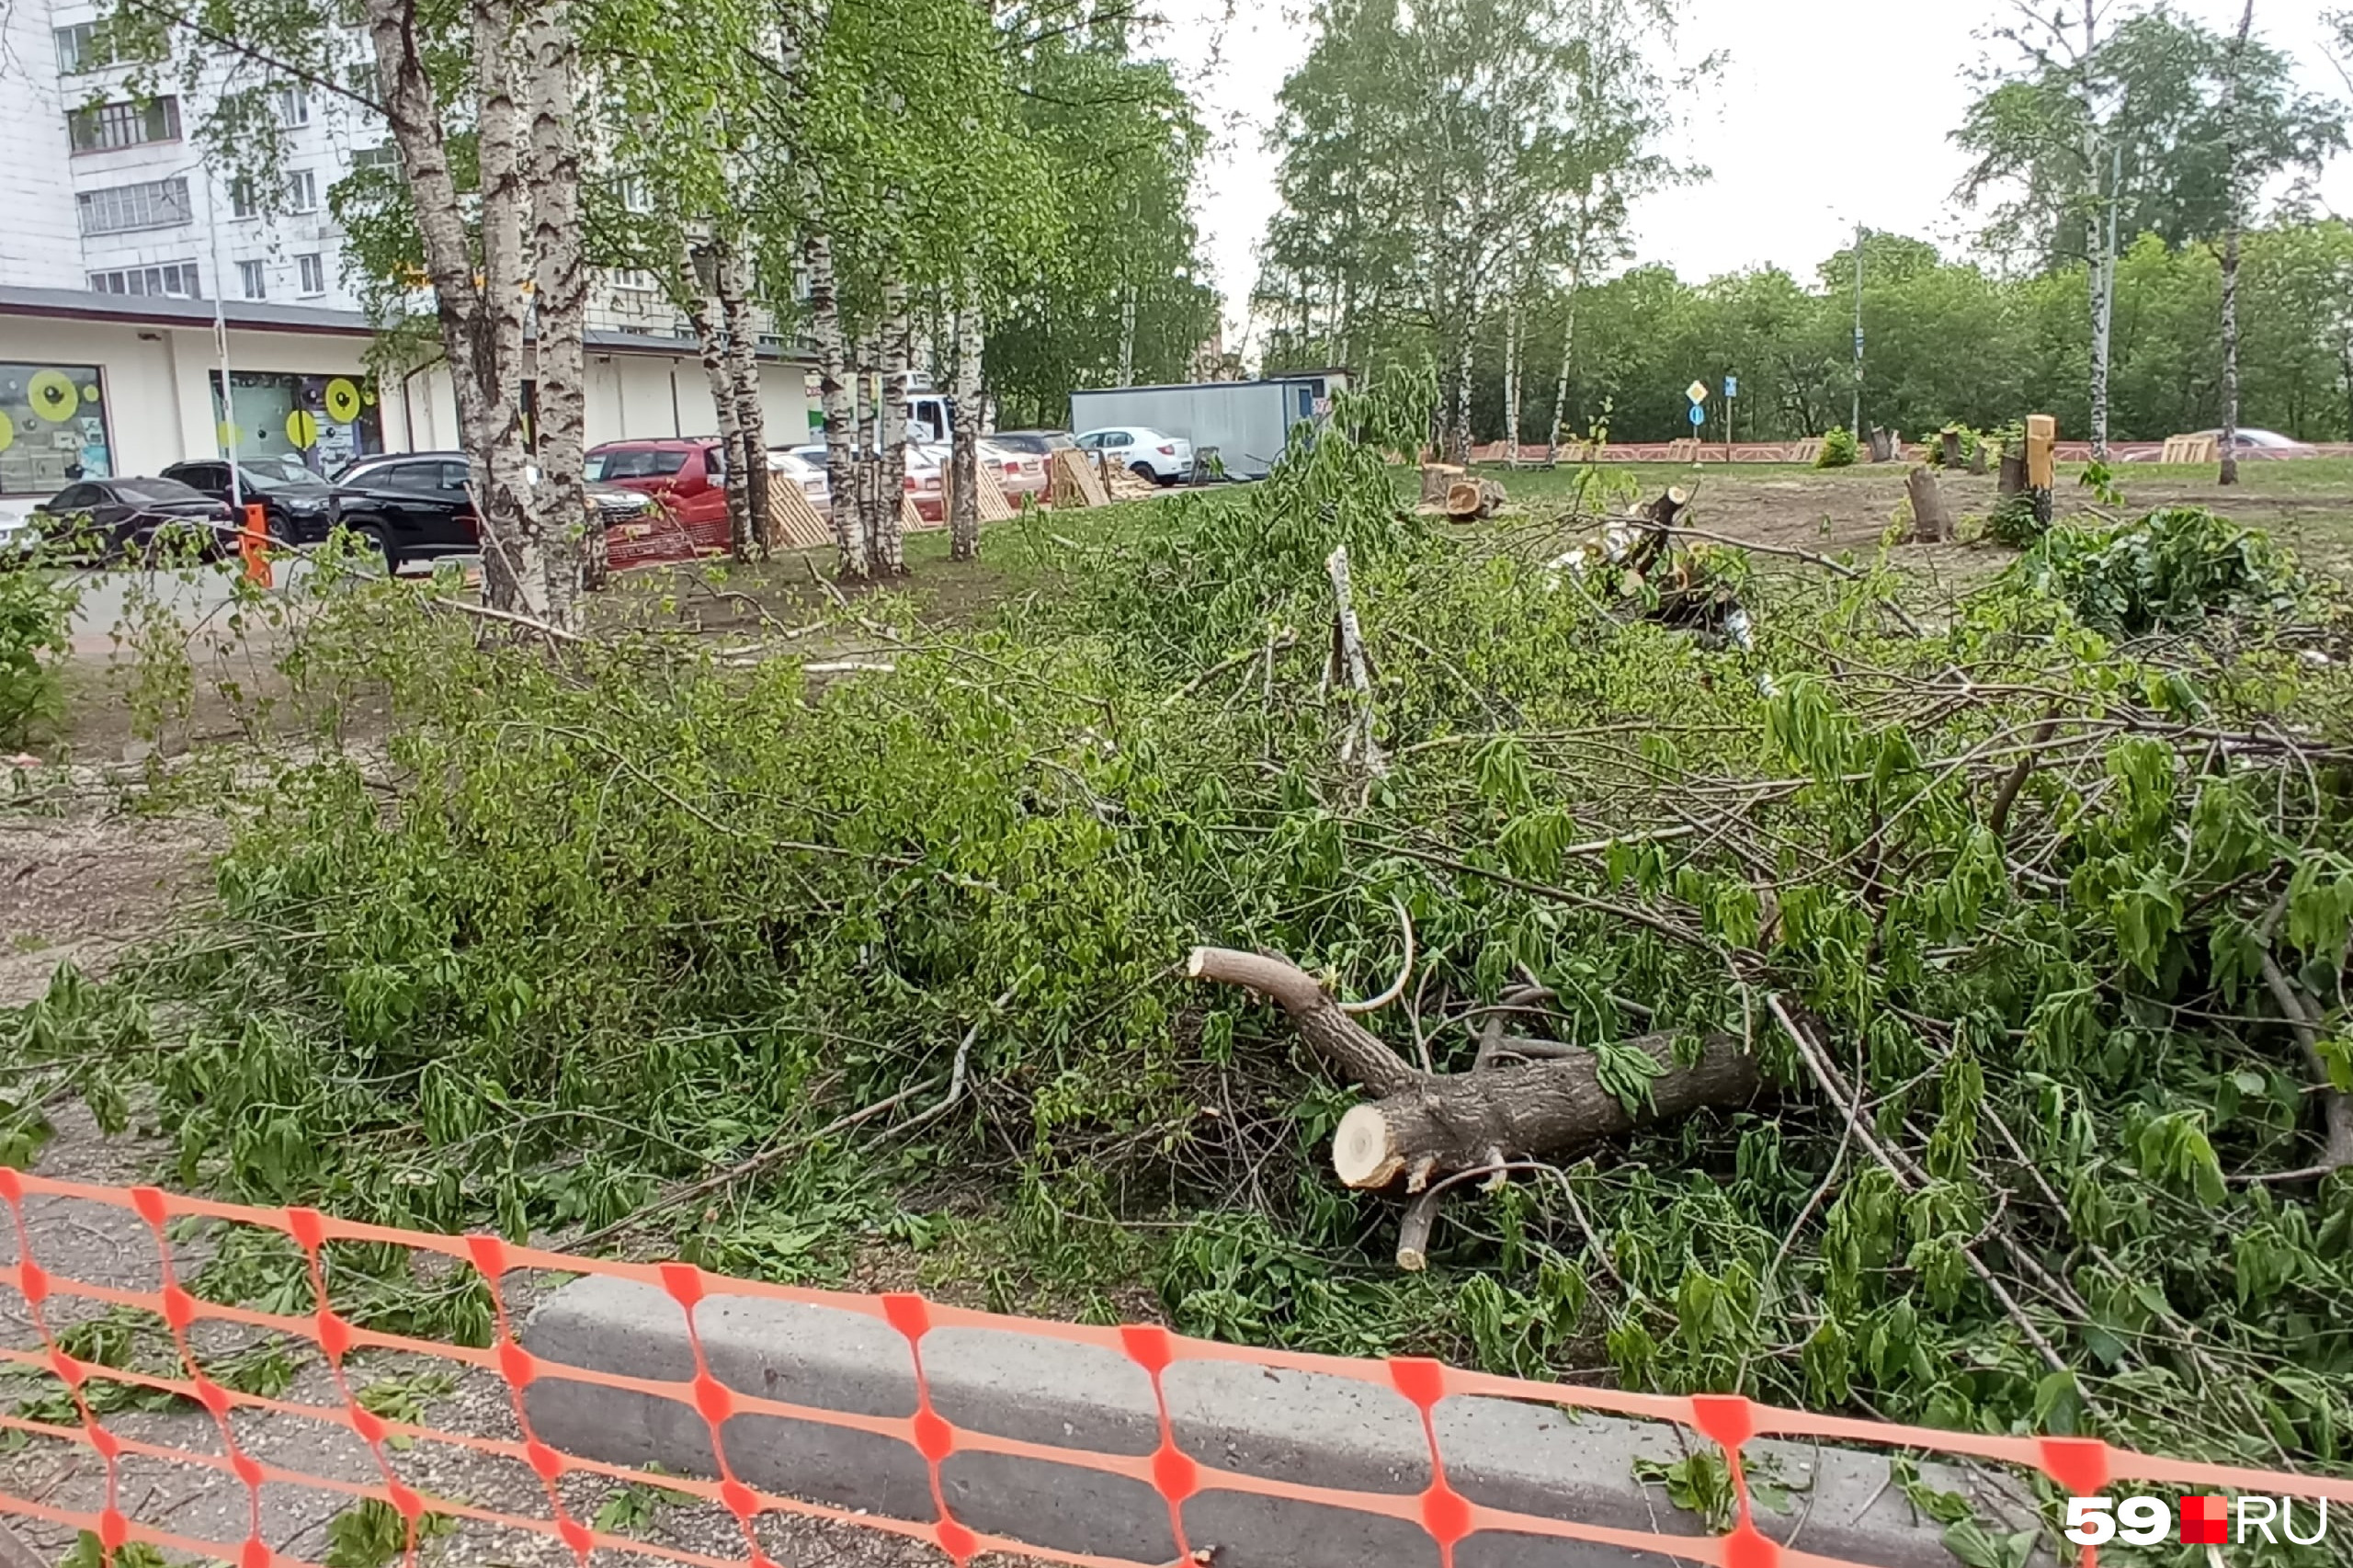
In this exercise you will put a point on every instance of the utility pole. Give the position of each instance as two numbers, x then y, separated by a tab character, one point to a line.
226	424
1858	420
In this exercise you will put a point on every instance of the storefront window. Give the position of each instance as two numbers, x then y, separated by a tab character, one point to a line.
53	427
294	424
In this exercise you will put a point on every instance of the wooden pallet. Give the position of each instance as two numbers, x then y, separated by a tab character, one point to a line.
1073	482
993	506
793	522
2191	449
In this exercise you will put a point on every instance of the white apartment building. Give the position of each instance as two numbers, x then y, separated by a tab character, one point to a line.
120	249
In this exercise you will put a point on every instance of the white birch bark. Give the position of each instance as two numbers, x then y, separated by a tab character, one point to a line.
2231	197
697	296
898	330
1511	382
839	403
559	517
964	499
733	274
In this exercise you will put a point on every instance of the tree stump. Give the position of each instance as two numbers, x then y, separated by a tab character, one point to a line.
1882	445
1931	517
1437	480
1949	442
1468	499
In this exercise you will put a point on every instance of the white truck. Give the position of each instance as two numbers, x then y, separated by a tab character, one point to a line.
1237	428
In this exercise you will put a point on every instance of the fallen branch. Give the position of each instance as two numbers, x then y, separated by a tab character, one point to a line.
1431	1124
2337	1106
1359	673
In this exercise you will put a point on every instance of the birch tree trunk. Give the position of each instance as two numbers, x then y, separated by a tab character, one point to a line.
482	322
1568	359
964	498
1511	382
733	274
697	296
2230	437
514	577
898	328
839	403
562	516
2103	285
1459	443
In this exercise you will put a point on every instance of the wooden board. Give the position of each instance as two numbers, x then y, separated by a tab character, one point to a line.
2191	449
793	522
1073	482
2042	437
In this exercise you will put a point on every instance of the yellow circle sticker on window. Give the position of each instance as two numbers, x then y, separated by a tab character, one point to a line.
302	429
343	401
54	395
7	431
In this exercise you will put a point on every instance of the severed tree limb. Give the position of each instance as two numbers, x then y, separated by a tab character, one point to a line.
1450	1122
2336	1104
1314	1012
1427	1125
1358	672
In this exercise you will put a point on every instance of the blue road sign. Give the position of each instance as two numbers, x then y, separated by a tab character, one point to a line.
1699	414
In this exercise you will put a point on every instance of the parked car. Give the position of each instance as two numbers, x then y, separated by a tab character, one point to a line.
2266	444
299	511
107	518
20	537
687	475
810	476
1041	442
1019	470
1148	454
2252	445
415	507
926	466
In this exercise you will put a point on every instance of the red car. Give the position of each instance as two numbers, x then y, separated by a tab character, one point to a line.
688	475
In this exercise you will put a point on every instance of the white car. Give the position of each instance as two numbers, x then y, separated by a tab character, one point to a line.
786	463
925	467
1163	459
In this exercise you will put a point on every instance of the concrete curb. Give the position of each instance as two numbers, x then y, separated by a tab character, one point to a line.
1271	1422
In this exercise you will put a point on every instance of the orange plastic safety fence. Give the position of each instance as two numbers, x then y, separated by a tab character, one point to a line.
2080	1466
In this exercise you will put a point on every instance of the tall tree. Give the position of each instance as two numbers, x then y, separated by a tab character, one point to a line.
2078	134
2233	201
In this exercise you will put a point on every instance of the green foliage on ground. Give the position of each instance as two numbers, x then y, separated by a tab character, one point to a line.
602	921
36	623
1838	450
2173	570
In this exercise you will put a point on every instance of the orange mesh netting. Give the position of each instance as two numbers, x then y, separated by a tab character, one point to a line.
2079	1466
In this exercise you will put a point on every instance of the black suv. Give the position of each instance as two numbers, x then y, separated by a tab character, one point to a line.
299	511
416	506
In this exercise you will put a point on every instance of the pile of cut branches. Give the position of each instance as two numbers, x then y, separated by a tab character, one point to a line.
1946	1025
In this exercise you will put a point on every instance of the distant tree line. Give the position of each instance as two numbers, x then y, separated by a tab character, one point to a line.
1458	179
1948	340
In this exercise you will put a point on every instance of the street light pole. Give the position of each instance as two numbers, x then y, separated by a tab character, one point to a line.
1858	415
227	420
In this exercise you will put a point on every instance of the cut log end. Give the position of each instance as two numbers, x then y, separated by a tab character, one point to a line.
1362	1154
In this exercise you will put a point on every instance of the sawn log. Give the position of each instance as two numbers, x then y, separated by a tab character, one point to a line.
1431	1124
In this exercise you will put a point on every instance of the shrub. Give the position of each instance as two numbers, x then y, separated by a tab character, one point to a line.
1838	449
2014	522
36	617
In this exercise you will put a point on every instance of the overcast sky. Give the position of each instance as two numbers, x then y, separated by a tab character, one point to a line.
1827	114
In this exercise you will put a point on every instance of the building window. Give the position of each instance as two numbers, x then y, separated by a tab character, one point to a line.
241	198
58	417
293	106
108	126
167	281
301	191
250	282
153	204
341	420
635	197
83	47
313	270
386	157
634	278
363	80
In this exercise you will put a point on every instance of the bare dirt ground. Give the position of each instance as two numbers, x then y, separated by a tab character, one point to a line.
83	882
